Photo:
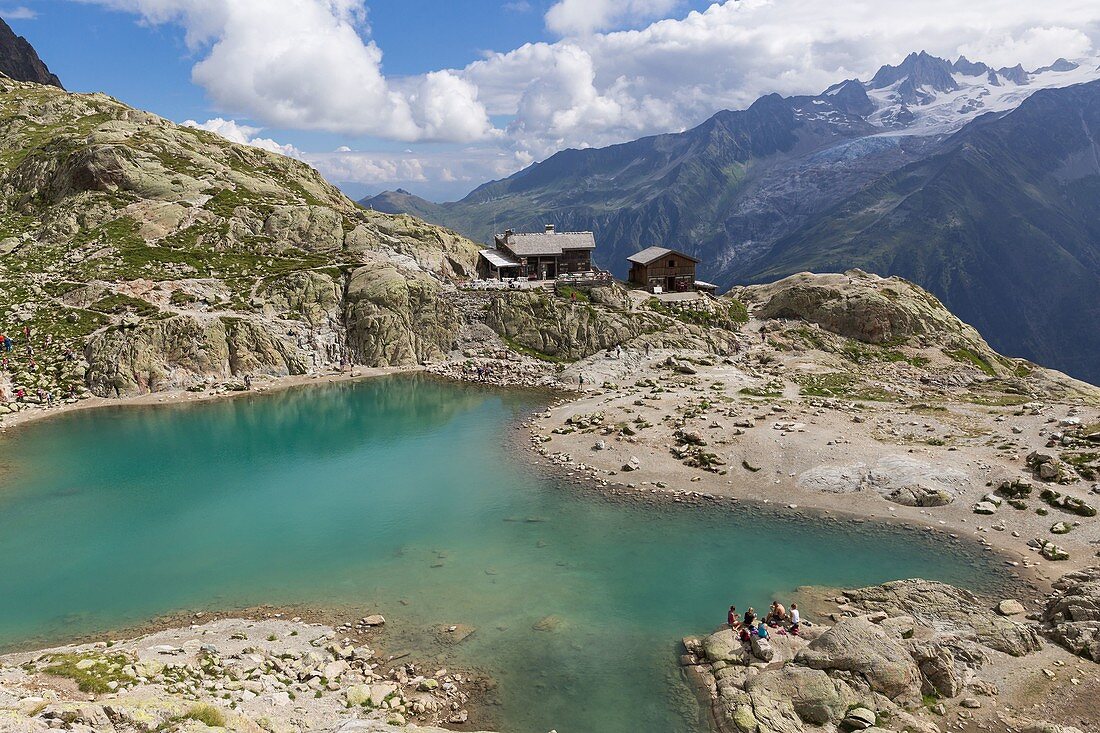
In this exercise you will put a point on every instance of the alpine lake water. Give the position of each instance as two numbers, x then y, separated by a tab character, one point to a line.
407	495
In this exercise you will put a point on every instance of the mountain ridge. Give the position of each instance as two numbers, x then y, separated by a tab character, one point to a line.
20	62
730	190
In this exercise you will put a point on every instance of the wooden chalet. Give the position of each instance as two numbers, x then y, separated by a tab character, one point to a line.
659	269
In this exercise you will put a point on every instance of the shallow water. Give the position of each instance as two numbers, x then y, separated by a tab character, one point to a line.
405	495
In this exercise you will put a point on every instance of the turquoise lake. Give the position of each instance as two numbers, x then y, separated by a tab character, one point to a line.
407	495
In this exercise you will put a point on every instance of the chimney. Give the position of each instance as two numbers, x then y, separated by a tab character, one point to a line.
509	232
549	228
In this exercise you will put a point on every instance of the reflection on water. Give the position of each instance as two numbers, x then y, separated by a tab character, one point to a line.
401	495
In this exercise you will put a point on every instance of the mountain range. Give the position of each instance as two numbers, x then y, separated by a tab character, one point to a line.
19	60
980	184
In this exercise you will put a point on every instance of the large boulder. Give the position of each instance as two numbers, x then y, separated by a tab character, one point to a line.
857	646
810	694
1072	613
724	646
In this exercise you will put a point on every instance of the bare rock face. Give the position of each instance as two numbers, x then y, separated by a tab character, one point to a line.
948	608
862	648
19	60
897	478
789	698
178	352
558	329
1072	614
394	319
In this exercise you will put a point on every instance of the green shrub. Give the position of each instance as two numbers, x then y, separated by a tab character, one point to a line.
208	715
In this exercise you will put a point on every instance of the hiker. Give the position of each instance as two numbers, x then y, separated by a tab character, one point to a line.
248	381
750	617
731	617
796	619
762	630
777	615
647	346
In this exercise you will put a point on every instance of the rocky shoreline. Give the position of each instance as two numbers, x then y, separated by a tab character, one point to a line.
244	674
910	655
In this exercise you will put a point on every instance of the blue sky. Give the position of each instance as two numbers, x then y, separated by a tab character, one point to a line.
438	96
93	48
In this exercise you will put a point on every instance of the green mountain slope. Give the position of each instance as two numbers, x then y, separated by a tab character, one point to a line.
726	181
141	255
1003	226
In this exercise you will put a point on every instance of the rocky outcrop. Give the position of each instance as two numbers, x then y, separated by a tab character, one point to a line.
559	329
19	60
182	351
897	644
897	478
861	306
948	609
859	647
396	319
170	257
1072	613
563	330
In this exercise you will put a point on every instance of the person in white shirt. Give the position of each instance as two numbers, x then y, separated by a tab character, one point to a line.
796	618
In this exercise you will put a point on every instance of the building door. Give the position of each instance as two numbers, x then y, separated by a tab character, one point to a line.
670	284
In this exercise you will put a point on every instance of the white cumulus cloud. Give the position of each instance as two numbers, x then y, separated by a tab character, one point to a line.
235	132
311	65
572	17
305	64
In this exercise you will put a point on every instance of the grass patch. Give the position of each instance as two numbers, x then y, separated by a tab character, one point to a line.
840	385
534	353
568	292
859	353
208	715
117	304
225	202
92	672
966	356
728	314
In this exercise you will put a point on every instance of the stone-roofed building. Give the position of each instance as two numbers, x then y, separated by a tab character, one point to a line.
542	255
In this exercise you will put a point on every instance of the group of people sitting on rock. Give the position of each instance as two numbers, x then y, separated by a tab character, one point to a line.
785	622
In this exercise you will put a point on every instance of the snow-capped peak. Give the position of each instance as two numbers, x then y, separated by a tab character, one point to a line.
926	95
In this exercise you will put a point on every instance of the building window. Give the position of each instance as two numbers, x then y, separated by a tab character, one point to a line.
672	263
